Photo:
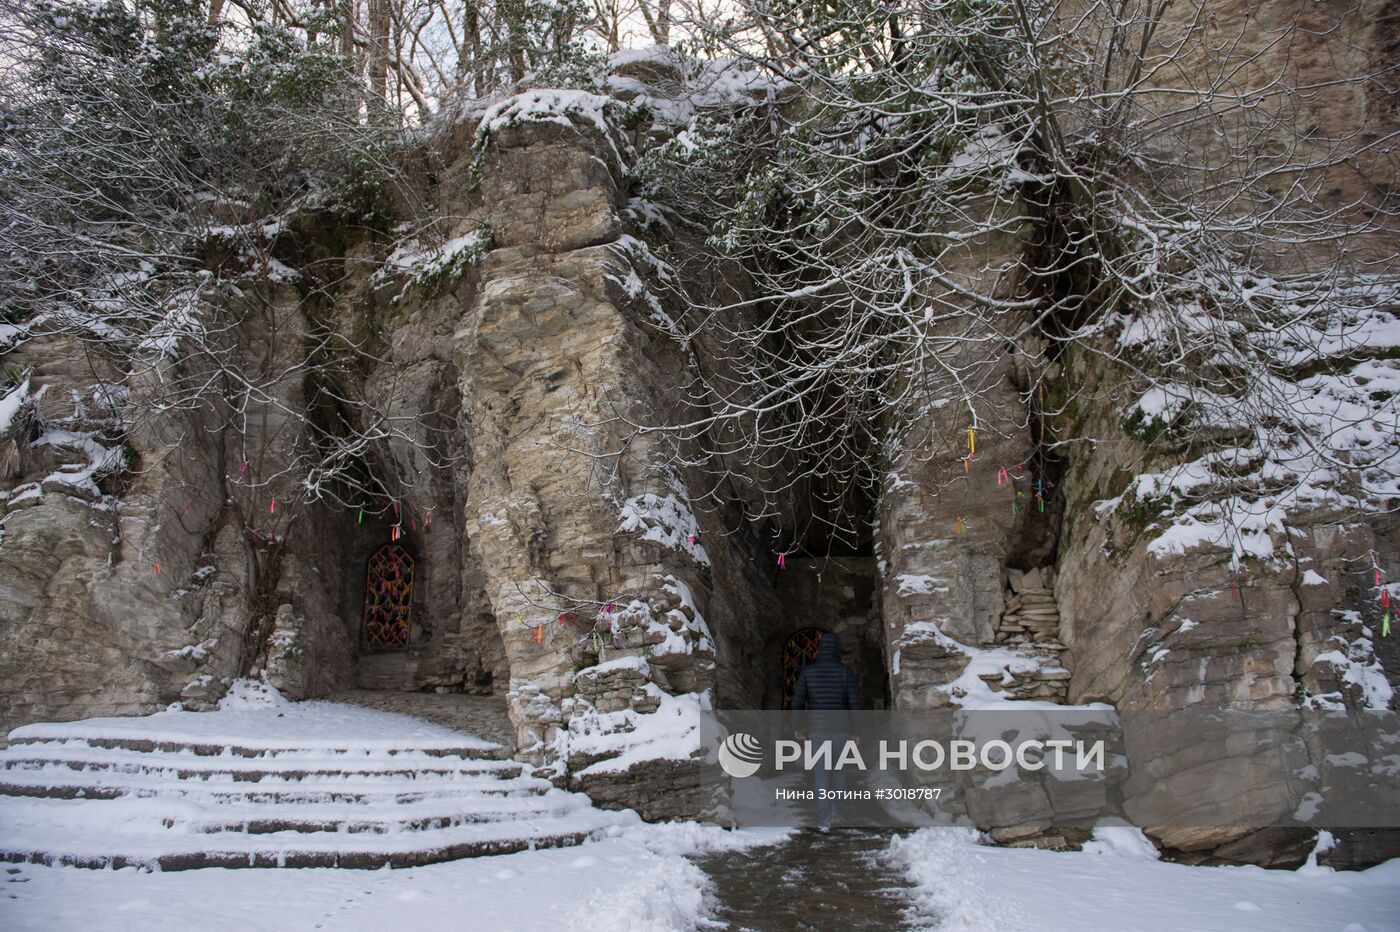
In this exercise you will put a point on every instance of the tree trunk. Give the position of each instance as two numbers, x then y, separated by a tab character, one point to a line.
379	48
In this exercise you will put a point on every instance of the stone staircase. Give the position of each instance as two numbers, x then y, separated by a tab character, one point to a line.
1030	625
97	799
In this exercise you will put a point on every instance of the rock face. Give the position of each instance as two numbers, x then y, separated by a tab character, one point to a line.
561	556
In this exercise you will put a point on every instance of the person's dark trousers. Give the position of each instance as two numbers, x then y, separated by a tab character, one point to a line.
826	776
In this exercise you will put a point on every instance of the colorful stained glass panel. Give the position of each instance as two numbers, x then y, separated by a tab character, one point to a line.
388	599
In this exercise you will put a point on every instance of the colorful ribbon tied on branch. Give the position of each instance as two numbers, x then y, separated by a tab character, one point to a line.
1385	604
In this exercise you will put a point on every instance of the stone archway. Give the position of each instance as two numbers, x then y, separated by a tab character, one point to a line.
387	622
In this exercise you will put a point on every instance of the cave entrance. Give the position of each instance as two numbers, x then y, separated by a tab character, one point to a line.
815	595
388	613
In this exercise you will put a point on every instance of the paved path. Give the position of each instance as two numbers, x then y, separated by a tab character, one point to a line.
813	882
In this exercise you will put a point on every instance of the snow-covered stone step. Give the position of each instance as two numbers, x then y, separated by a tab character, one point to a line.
257	768
126	838
256	731
214	816
304	785
63	783
23	737
275	819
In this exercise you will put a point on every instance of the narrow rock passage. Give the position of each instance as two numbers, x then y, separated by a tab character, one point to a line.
813	882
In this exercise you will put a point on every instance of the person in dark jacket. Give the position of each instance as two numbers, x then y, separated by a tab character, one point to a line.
825	698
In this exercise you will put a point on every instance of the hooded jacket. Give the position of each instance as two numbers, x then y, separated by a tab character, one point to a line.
826	686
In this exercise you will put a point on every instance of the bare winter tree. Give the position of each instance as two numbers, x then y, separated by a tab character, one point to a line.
151	191
1195	198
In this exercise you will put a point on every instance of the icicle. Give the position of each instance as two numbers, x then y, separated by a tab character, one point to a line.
782	560
428	518
272	507
243	469
361	518
1385	625
157	569
539	634
396	508
961	525
971	443
967	466
1002	477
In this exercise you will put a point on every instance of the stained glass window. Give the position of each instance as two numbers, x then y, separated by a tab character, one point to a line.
800	650
388	599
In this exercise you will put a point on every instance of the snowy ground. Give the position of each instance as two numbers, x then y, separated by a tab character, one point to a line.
964	887
641	880
631	877
637	880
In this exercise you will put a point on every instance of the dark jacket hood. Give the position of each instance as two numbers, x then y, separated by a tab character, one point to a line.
829	647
